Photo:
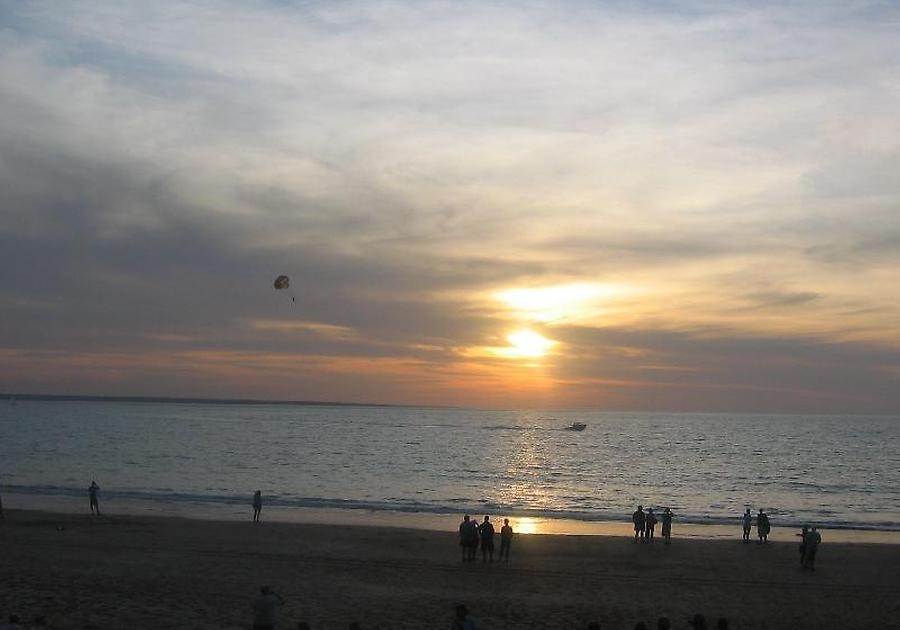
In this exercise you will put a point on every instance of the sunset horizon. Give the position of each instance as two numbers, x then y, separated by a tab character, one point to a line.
600	207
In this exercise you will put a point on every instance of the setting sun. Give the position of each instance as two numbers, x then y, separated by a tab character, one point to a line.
525	343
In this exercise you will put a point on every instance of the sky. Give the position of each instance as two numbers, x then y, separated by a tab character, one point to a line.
687	206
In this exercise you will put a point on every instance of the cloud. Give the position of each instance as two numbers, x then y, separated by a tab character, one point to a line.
404	162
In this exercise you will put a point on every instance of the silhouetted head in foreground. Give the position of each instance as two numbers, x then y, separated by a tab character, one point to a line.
506	521
594	625
466	517
663	623
640	625
486	518
264	590
355	626
722	624
698	622
302	625
462	613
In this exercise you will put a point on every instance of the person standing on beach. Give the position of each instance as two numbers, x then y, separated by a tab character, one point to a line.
803	534
813	539
265	609
639	520
468	538
92	493
762	526
486	532
649	525
748	524
506	534
257	505
667	526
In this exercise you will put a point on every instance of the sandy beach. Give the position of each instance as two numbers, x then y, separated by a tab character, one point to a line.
154	572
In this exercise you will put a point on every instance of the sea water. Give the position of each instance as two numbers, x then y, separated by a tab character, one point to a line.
833	471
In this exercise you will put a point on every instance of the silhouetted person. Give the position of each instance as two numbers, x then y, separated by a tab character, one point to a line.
663	623
486	533
257	505
461	619
639	520
803	534
722	624
762	526
649	525
506	534
92	493
813	540
747	521
468	538
265	609
667	528
697	622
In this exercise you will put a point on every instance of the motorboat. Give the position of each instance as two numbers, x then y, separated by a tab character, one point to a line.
576	426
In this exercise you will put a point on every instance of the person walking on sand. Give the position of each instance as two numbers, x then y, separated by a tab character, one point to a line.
667	526
506	534
747	521
762	526
650	525
265	609
257	505
92	494
486	533
813	540
639	519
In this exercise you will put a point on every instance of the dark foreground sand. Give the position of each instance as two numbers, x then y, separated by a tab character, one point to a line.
150	572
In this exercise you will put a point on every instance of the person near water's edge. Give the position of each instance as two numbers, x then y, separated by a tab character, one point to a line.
257	505
486	533
667	525
762	526
468	538
639	520
747	521
92	493
506	534
649	525
813	540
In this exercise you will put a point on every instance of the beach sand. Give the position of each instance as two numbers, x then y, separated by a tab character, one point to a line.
153	572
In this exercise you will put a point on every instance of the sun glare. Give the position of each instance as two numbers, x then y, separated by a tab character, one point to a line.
525	343
547	304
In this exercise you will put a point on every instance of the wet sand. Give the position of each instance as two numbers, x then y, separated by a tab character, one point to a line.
154	572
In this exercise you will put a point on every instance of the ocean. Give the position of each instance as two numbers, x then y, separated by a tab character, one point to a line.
832	471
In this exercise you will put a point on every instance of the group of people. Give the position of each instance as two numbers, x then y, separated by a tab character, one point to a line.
809	547
471	534
763	527
645	524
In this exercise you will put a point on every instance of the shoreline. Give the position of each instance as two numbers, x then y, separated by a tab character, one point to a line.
423	521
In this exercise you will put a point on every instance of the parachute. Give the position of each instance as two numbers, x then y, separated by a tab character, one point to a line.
282	282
